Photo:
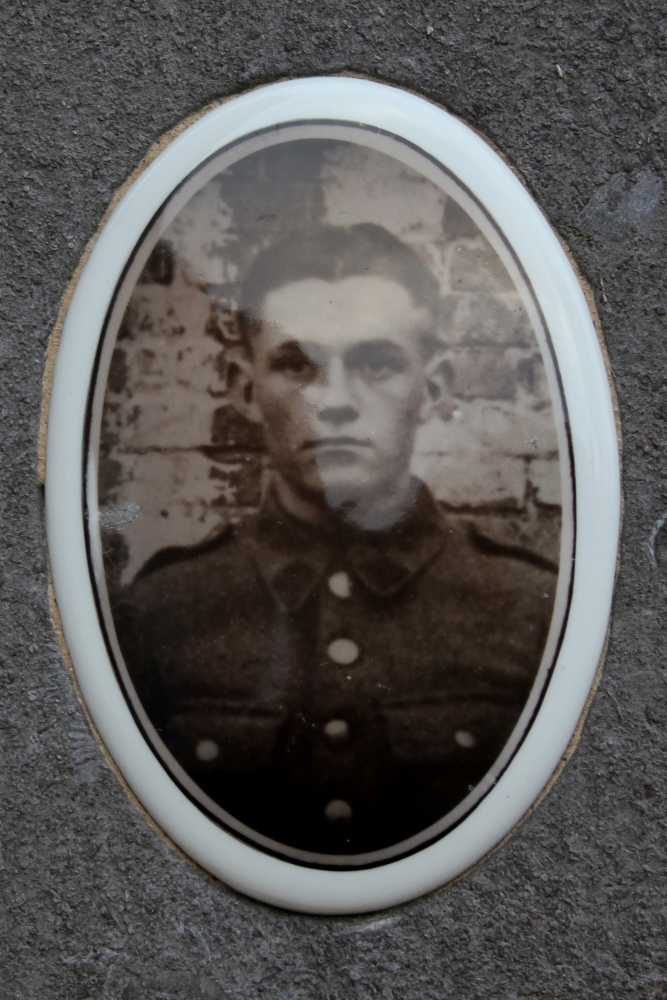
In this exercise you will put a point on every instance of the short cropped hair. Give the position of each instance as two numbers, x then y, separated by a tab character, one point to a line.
332	253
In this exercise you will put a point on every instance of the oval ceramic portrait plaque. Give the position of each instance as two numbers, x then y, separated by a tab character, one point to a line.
332	494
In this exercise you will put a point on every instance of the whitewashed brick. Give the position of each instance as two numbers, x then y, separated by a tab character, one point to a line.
475	266
178	502
485	319
200	233
544	477
164	373
463	479
490	428
390	195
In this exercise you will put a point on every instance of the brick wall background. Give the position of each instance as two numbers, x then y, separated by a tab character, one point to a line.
178	461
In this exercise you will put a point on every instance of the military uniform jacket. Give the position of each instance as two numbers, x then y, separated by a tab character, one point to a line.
337	693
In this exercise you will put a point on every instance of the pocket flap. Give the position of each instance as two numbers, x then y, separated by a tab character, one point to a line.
235	740
428	732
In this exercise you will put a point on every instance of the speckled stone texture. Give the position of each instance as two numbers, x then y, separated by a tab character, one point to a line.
94	904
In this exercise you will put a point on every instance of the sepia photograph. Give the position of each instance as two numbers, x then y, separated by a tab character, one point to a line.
330	506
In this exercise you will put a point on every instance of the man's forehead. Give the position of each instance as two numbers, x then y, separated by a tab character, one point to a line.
342	312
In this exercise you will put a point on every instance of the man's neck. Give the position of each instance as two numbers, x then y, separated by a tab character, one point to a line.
379	512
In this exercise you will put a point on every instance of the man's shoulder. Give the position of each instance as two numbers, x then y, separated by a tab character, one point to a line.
182	558
497	565
189	573
495	539
490	587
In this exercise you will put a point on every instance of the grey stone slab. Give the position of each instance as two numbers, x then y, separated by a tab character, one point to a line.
94	904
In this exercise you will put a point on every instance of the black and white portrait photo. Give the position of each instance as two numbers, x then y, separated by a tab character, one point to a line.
333	495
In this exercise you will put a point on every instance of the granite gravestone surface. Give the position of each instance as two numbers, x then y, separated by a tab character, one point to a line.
94	903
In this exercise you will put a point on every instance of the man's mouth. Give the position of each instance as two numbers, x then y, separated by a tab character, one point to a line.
322	444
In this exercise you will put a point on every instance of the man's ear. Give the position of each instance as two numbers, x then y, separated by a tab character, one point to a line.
437	394
241	385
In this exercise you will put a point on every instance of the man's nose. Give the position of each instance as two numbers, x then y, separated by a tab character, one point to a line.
335	400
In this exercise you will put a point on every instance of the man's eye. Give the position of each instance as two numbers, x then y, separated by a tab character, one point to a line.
381	367
293	364
376	362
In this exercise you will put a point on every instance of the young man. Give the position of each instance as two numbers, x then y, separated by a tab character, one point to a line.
337	674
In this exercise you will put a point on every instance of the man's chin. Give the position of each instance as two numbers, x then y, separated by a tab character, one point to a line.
360	501
340	494
369	508
340	497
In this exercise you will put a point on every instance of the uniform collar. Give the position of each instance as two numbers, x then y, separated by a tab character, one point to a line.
292	556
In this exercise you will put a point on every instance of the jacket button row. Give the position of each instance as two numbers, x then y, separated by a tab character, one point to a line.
336	730
465	739
338	811
207	750
343	651
340	585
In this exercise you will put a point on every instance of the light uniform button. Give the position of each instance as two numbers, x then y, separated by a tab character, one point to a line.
464	739
207	750
340	585
343	651
336	730
338	811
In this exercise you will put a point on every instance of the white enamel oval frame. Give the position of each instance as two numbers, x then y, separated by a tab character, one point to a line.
597	499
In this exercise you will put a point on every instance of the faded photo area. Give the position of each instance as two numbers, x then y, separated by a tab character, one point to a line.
179	458
330	503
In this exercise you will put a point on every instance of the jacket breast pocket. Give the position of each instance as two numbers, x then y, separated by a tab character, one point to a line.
233	738
437	731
